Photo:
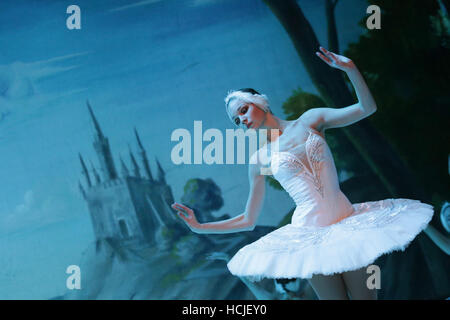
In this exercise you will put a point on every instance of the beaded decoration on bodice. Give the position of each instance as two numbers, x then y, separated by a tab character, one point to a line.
305	160
308	173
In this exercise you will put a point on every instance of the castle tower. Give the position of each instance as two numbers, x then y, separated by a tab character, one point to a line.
129	209
97	177
136	170
80	186
103	150
85	171
144	157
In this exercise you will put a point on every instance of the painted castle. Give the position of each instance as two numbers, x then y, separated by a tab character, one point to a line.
132	207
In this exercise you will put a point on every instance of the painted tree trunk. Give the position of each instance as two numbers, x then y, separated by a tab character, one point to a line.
333	43
376	151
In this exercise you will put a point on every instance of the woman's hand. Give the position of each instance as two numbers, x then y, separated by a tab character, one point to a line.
336	61
187	215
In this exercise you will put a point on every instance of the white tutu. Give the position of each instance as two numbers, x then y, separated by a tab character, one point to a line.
327	233
375	228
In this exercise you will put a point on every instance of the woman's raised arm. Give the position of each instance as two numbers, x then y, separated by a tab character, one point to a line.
324	118
244	222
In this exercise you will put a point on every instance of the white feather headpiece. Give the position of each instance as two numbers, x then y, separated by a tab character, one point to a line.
259	100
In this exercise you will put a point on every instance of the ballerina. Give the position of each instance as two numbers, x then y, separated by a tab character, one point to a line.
330	242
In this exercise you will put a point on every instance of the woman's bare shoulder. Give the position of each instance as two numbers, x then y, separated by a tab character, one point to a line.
312	119
300	125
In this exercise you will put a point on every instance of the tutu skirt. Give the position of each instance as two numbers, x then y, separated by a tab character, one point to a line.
373	229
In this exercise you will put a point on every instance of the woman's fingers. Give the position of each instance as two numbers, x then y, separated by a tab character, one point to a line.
324	58
183	211
178	206
329	54
326	52
181	215
179	209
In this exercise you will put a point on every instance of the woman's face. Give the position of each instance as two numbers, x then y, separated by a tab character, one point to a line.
247	115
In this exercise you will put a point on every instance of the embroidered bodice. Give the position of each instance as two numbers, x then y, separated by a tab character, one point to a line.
327	234
308	173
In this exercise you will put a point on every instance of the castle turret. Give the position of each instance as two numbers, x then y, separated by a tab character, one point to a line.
161	173
103	150
80	186
96	175
126	205
144	157
85	171
136	170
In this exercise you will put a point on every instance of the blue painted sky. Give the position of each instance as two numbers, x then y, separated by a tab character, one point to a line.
156	65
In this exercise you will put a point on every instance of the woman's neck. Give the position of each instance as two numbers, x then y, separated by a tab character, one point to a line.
275	126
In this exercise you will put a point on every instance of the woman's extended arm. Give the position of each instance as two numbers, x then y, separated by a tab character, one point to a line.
324	118
243	222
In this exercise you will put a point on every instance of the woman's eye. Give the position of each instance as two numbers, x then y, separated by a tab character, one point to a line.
244	110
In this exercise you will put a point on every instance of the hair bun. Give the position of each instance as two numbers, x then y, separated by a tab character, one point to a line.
249	90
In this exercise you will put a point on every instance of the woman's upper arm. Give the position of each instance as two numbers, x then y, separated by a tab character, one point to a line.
325	118
256	194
